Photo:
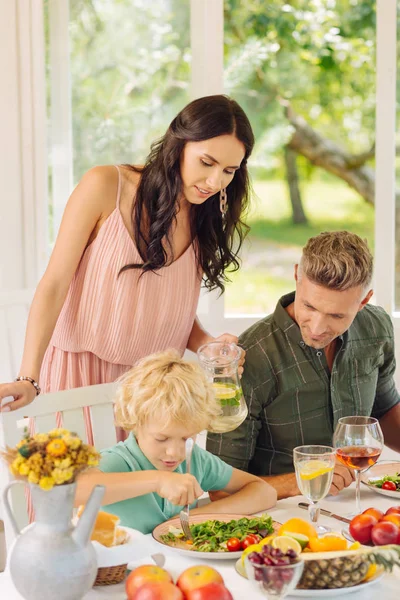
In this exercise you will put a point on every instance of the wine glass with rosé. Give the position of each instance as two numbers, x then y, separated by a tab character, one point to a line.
358	442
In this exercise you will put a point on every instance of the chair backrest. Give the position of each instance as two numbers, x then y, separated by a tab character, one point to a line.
14	309
70	403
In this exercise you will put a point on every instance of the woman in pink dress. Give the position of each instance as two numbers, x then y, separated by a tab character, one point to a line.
133	247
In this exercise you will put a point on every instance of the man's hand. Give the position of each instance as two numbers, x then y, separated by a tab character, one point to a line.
342	478
177	488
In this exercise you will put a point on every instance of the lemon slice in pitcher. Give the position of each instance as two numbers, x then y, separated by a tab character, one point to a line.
314	468
224	391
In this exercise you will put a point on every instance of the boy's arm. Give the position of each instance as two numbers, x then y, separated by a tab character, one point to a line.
179	489
119	486
247	494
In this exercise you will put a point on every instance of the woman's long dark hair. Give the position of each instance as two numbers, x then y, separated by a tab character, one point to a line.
218	240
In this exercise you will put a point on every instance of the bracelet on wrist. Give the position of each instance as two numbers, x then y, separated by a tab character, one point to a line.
32	381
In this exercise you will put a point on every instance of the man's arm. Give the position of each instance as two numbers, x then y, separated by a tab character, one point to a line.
387	399
390	424
286	484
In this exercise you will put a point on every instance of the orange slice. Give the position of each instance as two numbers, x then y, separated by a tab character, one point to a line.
297	525
327	544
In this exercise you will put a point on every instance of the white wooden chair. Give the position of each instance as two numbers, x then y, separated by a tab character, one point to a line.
70	403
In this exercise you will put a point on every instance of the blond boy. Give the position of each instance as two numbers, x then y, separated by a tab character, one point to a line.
163	401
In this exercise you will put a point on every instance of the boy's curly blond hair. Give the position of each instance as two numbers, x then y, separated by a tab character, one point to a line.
338	260
165	388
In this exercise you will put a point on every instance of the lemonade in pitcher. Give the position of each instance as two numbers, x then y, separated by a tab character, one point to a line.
220	361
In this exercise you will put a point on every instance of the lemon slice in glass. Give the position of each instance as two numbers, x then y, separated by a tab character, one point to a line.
314	468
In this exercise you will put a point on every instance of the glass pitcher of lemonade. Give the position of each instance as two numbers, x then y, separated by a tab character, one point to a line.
220	362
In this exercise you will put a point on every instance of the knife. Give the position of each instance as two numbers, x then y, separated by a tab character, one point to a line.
327	513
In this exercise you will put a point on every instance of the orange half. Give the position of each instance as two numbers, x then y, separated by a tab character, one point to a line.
296	525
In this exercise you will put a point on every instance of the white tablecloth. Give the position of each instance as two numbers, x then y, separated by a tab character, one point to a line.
387	588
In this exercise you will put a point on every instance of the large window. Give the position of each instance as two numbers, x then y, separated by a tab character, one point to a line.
305	73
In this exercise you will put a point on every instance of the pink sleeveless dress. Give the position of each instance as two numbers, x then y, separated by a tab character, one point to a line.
108	322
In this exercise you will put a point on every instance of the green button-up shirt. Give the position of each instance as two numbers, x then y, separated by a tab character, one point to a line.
293	398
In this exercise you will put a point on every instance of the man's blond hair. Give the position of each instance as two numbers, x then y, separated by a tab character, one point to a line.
338	260
165	388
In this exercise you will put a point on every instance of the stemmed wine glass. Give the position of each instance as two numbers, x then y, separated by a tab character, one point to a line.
358	442
314	467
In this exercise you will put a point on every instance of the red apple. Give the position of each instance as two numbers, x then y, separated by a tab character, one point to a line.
145	574
361	527
384	533
375	512
212	591
197	577
392	518
393	510
157	590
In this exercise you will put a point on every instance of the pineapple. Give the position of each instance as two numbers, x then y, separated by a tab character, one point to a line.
345	568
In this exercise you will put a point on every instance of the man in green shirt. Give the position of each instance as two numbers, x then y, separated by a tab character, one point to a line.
324	353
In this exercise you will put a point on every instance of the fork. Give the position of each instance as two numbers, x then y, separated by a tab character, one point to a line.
184	514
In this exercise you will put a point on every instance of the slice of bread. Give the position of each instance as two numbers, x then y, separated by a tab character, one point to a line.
105	528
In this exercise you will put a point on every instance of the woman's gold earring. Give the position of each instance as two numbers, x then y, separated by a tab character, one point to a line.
223	202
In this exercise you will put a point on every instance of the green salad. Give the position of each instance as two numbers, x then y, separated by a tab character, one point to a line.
212	536
387	482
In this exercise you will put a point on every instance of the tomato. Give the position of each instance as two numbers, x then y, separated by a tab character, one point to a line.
389	485
361	527
375	512
384	533
249	540
233	544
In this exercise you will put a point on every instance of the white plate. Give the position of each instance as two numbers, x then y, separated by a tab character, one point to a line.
377	471
319	593
163	529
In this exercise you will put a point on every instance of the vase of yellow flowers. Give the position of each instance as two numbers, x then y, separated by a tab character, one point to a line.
51	558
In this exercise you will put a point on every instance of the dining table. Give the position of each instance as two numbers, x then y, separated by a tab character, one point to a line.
386	588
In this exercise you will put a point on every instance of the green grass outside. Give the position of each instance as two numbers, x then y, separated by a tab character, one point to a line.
274	242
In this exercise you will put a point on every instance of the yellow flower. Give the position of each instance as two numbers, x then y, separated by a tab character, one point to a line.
54	433
33	477
72	442
23	469
35	460
41	438
16	463
60	476
64	464
93	460
46	483
56	447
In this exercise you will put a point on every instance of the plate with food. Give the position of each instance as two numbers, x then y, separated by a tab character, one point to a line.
215	536
383	478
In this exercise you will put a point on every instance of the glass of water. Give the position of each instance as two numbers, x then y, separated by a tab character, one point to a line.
314	467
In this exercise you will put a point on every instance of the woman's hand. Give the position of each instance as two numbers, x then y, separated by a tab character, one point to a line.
233	339
22	391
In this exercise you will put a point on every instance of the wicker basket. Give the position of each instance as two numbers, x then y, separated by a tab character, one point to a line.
110	575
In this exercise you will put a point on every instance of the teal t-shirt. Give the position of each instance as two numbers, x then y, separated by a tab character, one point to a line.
147	511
